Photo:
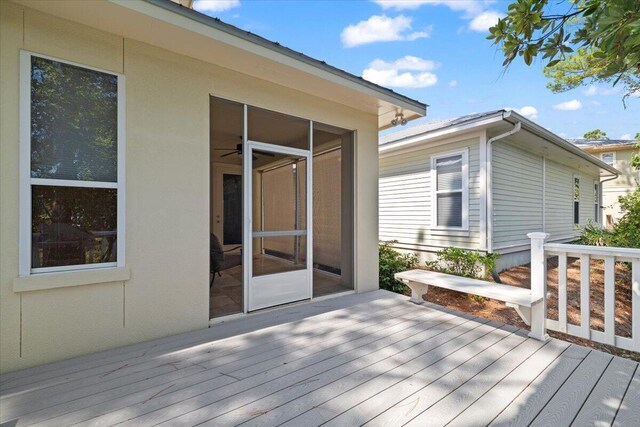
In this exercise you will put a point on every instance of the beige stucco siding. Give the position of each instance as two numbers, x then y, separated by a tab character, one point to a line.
625	183
405	198
517	195
167	192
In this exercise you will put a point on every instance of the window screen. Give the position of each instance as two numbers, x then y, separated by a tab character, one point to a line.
449	191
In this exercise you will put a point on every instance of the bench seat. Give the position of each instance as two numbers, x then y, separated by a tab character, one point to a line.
509	294
530	308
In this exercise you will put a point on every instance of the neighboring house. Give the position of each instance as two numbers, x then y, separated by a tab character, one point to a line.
499	176
616	153
131	131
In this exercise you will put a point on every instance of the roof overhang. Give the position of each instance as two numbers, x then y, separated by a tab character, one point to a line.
171	26
607	147
578	158
532	137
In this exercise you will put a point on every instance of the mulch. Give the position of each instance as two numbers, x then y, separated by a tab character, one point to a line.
521	276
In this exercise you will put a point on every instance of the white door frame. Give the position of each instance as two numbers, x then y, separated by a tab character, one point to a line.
282	287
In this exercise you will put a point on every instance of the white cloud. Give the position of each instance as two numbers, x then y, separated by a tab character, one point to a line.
380	28
527	111
481	18
635	94
593	90
572	105
470	7
214	6
485	20
626	136
453	83
406	72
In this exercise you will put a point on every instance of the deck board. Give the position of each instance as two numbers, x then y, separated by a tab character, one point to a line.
371	359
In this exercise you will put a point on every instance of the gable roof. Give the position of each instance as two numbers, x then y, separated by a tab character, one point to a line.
218	24
426	128
420	133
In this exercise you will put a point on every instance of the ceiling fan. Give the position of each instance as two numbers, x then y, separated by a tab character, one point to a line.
238	151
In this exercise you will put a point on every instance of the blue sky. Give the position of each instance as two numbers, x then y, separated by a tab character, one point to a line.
434	51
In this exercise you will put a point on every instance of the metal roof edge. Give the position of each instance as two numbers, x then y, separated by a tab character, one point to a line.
276	47
478	122
556	140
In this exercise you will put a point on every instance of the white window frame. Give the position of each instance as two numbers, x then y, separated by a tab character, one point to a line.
26	181
613	157
465	189
573	201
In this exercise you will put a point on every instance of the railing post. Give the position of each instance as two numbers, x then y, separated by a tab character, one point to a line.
538	286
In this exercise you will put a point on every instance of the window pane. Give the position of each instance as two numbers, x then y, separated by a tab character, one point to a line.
281	196
449	210
74	122
73	226
607	158
449	171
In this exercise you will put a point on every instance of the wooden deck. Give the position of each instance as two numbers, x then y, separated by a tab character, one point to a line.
372	359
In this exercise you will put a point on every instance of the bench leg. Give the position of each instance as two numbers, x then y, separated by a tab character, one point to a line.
417	290
523	312
538	327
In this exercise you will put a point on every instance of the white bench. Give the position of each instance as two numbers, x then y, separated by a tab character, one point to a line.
529	307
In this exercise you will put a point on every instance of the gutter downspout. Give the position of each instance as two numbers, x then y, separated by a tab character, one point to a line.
615	176
489	216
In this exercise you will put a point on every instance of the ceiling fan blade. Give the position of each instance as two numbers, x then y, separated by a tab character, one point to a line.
228	154
263	153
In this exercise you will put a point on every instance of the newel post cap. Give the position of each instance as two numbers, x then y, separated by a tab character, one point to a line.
538	235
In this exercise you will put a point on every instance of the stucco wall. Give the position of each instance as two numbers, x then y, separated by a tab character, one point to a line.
623	185
167	192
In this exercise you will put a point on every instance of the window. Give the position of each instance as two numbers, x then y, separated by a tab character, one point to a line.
72	171
596	202
576	200
449	177
608	158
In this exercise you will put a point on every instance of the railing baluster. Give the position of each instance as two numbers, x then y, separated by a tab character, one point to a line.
609	300
585	309
610	255
635	304
562	291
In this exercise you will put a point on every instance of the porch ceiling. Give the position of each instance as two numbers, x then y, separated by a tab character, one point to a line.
168	25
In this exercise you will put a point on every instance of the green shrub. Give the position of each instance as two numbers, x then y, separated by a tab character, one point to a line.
392	262
463	262
625	233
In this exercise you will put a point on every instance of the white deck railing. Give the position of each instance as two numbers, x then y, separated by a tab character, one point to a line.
540	251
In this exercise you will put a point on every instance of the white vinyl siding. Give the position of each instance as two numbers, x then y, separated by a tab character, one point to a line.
559	201
405	199
517	195
517	179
